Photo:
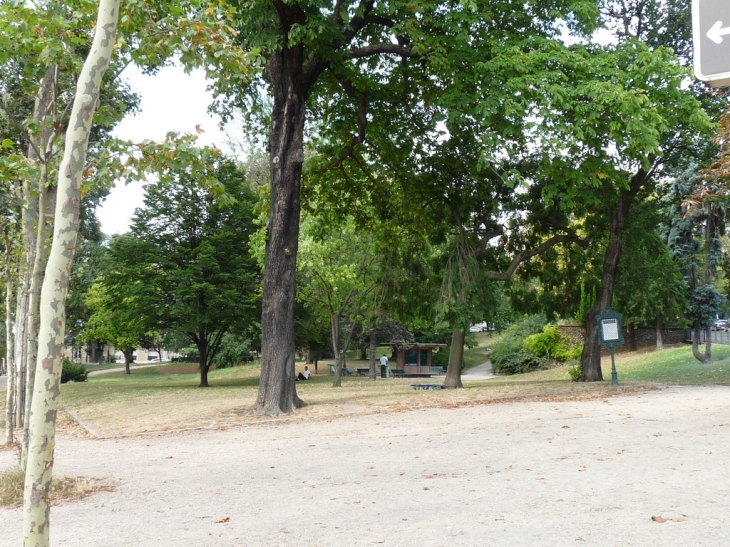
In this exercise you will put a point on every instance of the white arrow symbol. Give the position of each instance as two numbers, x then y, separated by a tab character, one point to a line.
717	32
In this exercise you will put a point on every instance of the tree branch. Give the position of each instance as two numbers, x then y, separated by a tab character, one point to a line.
519	259
379	49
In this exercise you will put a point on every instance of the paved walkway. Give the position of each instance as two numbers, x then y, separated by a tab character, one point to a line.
479	372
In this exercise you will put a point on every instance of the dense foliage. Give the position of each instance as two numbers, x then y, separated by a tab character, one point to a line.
509	355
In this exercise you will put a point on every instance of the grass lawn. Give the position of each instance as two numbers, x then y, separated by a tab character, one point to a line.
166	397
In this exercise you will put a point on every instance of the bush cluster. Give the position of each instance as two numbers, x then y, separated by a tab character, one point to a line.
550	343
509	355
530	345
73	372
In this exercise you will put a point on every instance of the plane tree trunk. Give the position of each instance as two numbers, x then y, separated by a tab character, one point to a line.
44	407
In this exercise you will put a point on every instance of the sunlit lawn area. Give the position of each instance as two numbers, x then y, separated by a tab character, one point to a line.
166	397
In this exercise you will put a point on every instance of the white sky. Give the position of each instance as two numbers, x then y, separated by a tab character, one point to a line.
170	101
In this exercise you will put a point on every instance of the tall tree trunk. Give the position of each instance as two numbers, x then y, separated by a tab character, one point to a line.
9	346
373	348
21	346
42	116
36	498
456	358
709	237
277	388
591	357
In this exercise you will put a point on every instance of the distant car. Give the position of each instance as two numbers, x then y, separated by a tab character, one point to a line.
720	324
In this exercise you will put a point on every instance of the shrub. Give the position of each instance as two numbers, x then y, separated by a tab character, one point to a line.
552	344
73	372
575	369
232	352
441	357
509	355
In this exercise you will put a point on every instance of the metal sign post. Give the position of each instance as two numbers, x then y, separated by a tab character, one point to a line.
711	36
611	335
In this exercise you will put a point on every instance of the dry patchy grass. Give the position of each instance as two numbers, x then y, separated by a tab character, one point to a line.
62	489
156	401
166	398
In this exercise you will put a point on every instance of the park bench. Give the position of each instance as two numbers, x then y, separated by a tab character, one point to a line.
363	371
346	371
438	370
427	386
398	372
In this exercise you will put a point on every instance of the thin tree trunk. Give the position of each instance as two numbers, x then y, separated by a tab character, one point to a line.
709	237
277	387
128	356
456	358
39	152
373	348
36	499
659	339
9	346
708	344
696	342
335	333
21	347
203	361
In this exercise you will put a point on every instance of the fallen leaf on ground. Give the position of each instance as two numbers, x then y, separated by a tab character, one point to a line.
223	519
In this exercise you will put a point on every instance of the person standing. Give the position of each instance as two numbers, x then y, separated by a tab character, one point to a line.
384	366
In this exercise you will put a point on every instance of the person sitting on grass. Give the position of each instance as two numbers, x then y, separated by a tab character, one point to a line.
305	375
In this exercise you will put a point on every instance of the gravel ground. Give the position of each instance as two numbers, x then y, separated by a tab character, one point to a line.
639	470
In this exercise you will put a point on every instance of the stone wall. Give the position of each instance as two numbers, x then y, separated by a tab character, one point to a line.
645	337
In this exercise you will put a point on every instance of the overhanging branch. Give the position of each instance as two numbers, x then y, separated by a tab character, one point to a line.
519	259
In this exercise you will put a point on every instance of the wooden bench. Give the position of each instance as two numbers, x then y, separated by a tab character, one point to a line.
363	371
438	370
398	372
427	386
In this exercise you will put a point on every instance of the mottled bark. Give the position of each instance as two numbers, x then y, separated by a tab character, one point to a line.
40	153
36	501
456	358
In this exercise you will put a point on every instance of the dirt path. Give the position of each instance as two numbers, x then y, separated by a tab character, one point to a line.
520	474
